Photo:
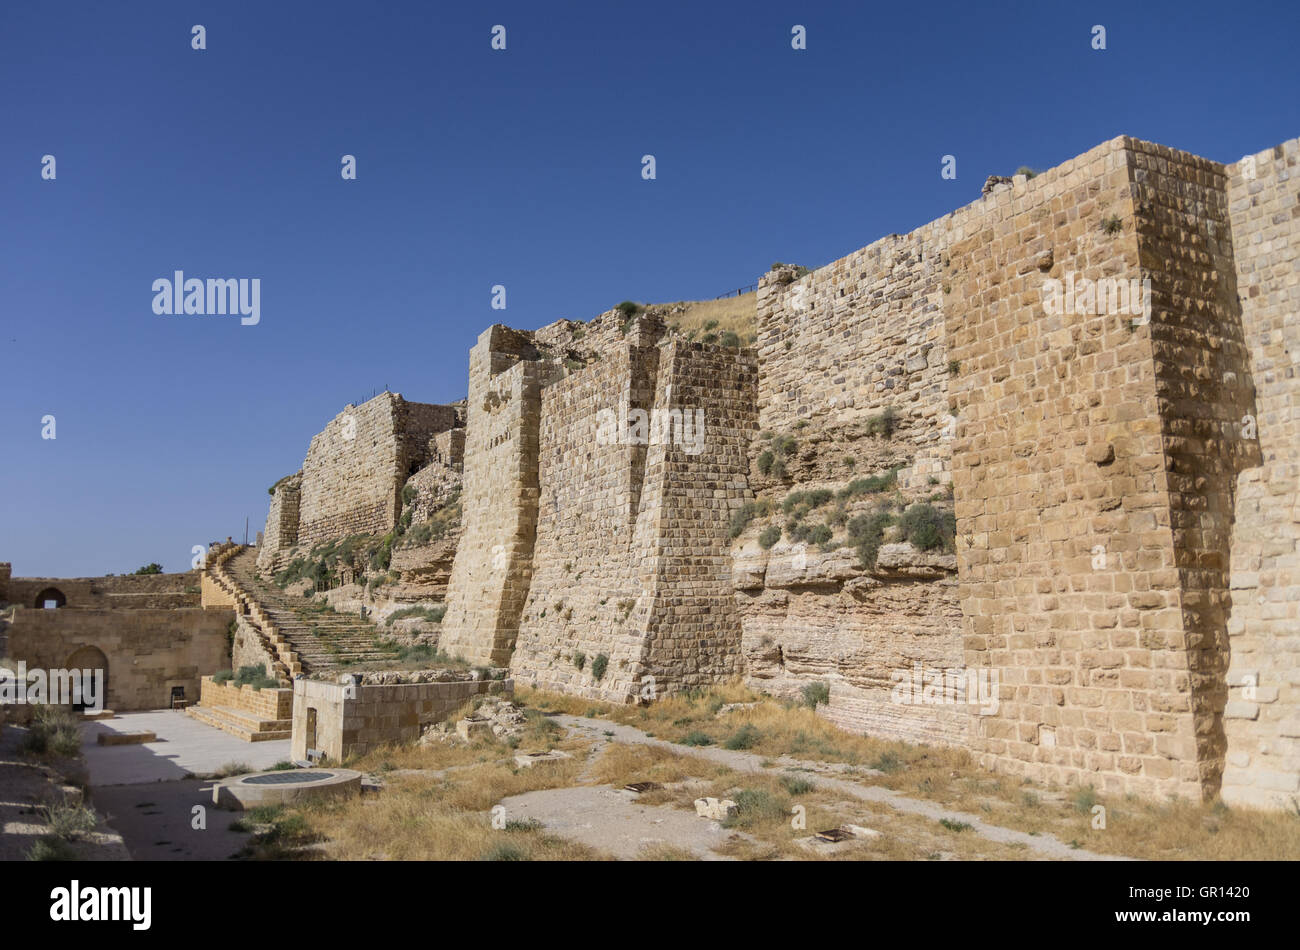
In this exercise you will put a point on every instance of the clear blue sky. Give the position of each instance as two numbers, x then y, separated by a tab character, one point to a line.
478	168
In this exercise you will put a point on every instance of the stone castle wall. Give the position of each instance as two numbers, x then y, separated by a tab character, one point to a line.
631	555
352	478
1124	482
1262	717
492	571
282	521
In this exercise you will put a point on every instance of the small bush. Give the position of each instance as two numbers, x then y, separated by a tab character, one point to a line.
629	308
769	536
796	786
580	660
729	338
598	666
69	821
432	614
926	527
505	851
887	762
697	738
867	533
50	848
153	568
1084	798
754	805
745	737
954	825
1112	224
765	460
816	693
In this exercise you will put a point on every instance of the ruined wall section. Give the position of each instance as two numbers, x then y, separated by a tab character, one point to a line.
493	566
587	576
282	521
350	476
1262	717
1204	388
1069	575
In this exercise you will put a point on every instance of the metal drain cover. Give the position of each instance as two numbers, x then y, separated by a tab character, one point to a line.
288	777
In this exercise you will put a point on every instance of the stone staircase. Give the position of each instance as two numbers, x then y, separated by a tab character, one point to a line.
308	639
216	569
245	725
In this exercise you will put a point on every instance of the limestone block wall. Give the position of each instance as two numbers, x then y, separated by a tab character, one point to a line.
587	567
1070	579
493	566
147	651
1205	390
1262	718
355	468
861	335
632	557
248	648
349	720
266	703
282	521
125	591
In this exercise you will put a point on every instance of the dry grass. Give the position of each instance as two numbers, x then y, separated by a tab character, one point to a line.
701	317
421	818
1134	827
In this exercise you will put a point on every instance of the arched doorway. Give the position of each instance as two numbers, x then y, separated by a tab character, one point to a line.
88	658
50	598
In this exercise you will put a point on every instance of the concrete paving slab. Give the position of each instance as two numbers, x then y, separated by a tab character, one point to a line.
184	748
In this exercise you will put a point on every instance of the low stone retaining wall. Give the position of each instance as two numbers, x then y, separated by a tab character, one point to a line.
265	703
342	719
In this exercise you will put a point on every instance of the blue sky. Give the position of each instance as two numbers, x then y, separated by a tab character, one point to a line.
479	167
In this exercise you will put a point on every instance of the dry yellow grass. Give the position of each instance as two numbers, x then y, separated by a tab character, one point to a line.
1135	828
702	317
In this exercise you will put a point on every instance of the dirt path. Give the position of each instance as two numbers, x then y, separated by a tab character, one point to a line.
822	775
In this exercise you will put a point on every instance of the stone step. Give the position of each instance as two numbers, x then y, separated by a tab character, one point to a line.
243	725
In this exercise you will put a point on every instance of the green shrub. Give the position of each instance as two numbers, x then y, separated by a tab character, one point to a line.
887	762
629	308
765	460
729	338
754	805
432	614
153	568
867	533
697	738
505	851
796	786
816	693
69	821
50	848
926	527
580	660
223	676
598	666
1112	224
745	737
769	536
870	486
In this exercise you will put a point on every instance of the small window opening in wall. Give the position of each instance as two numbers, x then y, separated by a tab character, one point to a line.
50	599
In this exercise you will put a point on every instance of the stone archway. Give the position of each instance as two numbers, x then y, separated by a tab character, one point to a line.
50	597
89	658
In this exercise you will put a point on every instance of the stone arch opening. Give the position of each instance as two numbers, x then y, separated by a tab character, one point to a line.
89	658
50	598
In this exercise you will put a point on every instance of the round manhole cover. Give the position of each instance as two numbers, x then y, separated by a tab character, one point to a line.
287	778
